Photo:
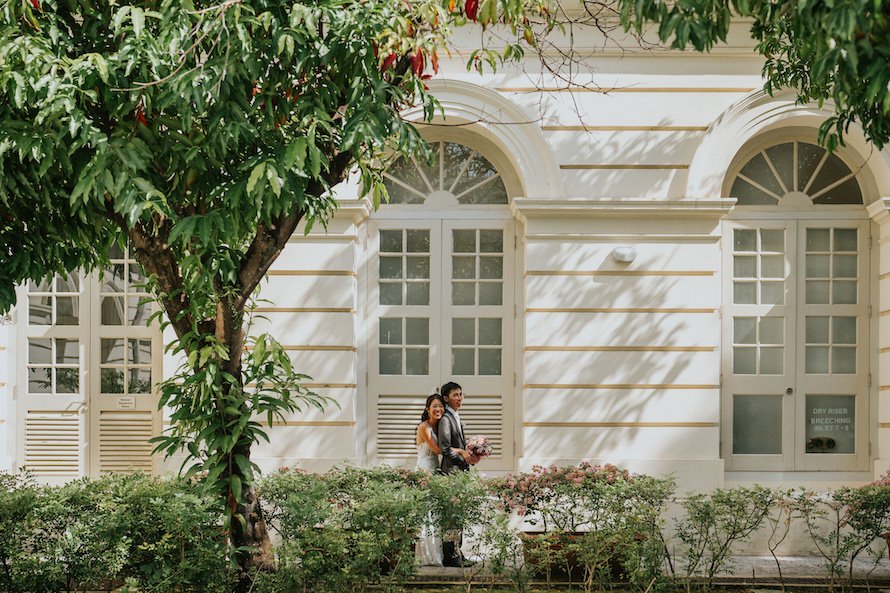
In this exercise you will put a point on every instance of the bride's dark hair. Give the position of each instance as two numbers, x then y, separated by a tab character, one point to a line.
426	409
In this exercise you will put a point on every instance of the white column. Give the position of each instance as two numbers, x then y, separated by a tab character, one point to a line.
879	211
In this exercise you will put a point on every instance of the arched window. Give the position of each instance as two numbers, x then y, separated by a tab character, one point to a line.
795	323
455	174
795	173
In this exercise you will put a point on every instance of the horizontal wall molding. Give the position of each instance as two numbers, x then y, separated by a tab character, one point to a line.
626	89
625	238
885	313
620	424
328	385
884	276
620	273
583	128
304	310
320	348
620	348
655	208
622	167
300	238
618	310
310	273
883	424
299	423
618	386
884	388
884	350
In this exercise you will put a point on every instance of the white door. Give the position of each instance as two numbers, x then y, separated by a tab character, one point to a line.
795	345
441	309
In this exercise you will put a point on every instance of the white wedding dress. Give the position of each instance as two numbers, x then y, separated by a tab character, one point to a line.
428	550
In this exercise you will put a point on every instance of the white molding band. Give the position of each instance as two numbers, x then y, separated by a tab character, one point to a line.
524	208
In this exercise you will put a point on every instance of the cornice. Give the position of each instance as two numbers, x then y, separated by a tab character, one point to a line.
355	210
879	210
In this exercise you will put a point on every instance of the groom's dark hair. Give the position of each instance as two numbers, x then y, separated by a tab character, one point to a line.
447	389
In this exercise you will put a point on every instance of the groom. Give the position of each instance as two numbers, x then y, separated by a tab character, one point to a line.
454	458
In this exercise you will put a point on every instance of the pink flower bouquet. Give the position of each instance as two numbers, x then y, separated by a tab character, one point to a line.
478	447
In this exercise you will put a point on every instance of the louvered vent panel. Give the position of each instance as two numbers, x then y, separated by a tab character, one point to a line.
398	416
123	442
52	443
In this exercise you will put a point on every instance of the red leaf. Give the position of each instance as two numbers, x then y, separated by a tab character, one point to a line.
471	8
451	4
388	62
418	62
434	58
140	116
35	4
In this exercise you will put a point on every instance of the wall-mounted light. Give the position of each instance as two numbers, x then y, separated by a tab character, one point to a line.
624	254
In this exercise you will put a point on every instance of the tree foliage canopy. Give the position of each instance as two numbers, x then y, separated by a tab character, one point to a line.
825	50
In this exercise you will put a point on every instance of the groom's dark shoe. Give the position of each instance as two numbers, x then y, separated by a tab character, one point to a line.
458	563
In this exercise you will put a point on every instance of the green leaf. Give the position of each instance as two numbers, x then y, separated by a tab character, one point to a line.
255	176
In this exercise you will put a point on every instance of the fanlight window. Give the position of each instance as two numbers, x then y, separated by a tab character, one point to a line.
455	175
795	174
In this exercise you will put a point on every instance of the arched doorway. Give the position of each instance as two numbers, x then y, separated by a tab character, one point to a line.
796	363
441	300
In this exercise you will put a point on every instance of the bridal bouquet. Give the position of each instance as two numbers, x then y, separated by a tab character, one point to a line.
479	447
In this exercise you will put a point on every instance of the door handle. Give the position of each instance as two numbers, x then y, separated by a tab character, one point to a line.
789	391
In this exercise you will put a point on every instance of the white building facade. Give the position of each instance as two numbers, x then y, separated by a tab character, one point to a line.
664	272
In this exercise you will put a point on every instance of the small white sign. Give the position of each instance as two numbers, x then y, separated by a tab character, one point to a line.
126	403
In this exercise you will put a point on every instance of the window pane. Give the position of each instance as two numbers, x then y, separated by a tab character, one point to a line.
139	380
771	362
391	331
418	240
113	278
417	331
490	331
390	361
67	310
137	280
817	292
111	351
463	331
818	266
489	361
845	240
462	362
772	330
490	293
744	293
772	266
758	171
40	310
808	157
744	240
817	360
772	240
463	293
112	311
417	361
464	241
818	240
756	425
844	266
491	267
744	361
391	241
744	266
111	380
68	284
67	351
831	426
772	293
748	195
419	267
843	292
843	330
139	351
782	158
67	380
40	351
463	267
744	330
391	293
491	241
843	360
138	311
40	380
39	286
418	293
391	267
817	330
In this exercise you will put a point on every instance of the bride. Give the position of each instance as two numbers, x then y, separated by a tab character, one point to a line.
429	545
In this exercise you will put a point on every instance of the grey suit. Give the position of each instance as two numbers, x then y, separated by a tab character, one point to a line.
451	435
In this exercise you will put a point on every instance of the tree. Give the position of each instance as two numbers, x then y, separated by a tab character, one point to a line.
837	51
201	135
